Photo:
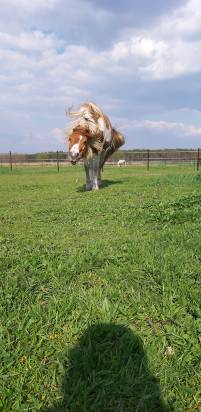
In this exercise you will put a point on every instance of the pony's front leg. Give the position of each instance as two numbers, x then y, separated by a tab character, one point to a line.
88	180
95	167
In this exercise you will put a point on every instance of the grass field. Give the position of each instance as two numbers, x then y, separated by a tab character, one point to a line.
100	291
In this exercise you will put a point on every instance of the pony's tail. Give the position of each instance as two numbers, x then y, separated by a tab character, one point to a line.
117	141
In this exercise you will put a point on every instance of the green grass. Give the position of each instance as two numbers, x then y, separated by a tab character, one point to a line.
100	291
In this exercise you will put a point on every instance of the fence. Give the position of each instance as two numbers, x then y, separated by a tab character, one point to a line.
144	158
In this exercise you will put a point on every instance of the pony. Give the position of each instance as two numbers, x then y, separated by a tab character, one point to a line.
92	138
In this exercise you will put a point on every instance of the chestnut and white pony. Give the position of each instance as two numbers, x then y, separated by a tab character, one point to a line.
93	139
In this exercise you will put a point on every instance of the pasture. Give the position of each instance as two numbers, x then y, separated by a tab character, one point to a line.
100	291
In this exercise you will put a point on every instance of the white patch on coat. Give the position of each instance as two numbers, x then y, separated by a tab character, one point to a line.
106	132
101	124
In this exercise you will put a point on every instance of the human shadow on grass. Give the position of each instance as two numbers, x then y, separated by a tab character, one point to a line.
108	371
104	183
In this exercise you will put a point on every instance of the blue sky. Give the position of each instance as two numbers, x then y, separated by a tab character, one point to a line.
139	60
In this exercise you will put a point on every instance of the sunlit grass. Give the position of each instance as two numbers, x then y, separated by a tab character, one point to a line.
100	291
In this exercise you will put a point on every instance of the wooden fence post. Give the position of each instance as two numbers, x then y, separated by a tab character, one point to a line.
148	159
57	161
11	161
198	159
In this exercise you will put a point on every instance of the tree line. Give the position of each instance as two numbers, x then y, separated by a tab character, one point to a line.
129	155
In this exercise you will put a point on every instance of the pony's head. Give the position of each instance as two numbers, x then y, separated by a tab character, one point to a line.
78	141
82	144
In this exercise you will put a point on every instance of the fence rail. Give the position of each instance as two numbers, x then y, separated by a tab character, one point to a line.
139	157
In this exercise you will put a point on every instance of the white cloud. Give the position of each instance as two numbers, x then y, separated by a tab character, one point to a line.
139	46
41	73
181	128
29	6
168	50
29	42
153	54
34	72
184	20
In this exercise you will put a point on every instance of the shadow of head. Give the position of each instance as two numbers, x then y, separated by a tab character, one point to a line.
107	371
104	183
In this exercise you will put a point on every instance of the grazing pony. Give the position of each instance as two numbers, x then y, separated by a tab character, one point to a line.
121	162
93	139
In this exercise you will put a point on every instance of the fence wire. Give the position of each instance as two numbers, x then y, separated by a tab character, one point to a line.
138	157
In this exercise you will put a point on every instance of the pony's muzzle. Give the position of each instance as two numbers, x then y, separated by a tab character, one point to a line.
74	158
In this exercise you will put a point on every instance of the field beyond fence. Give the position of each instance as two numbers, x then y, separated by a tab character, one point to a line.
145	158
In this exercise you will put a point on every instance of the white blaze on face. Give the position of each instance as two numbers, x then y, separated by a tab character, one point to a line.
75	149
106	132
